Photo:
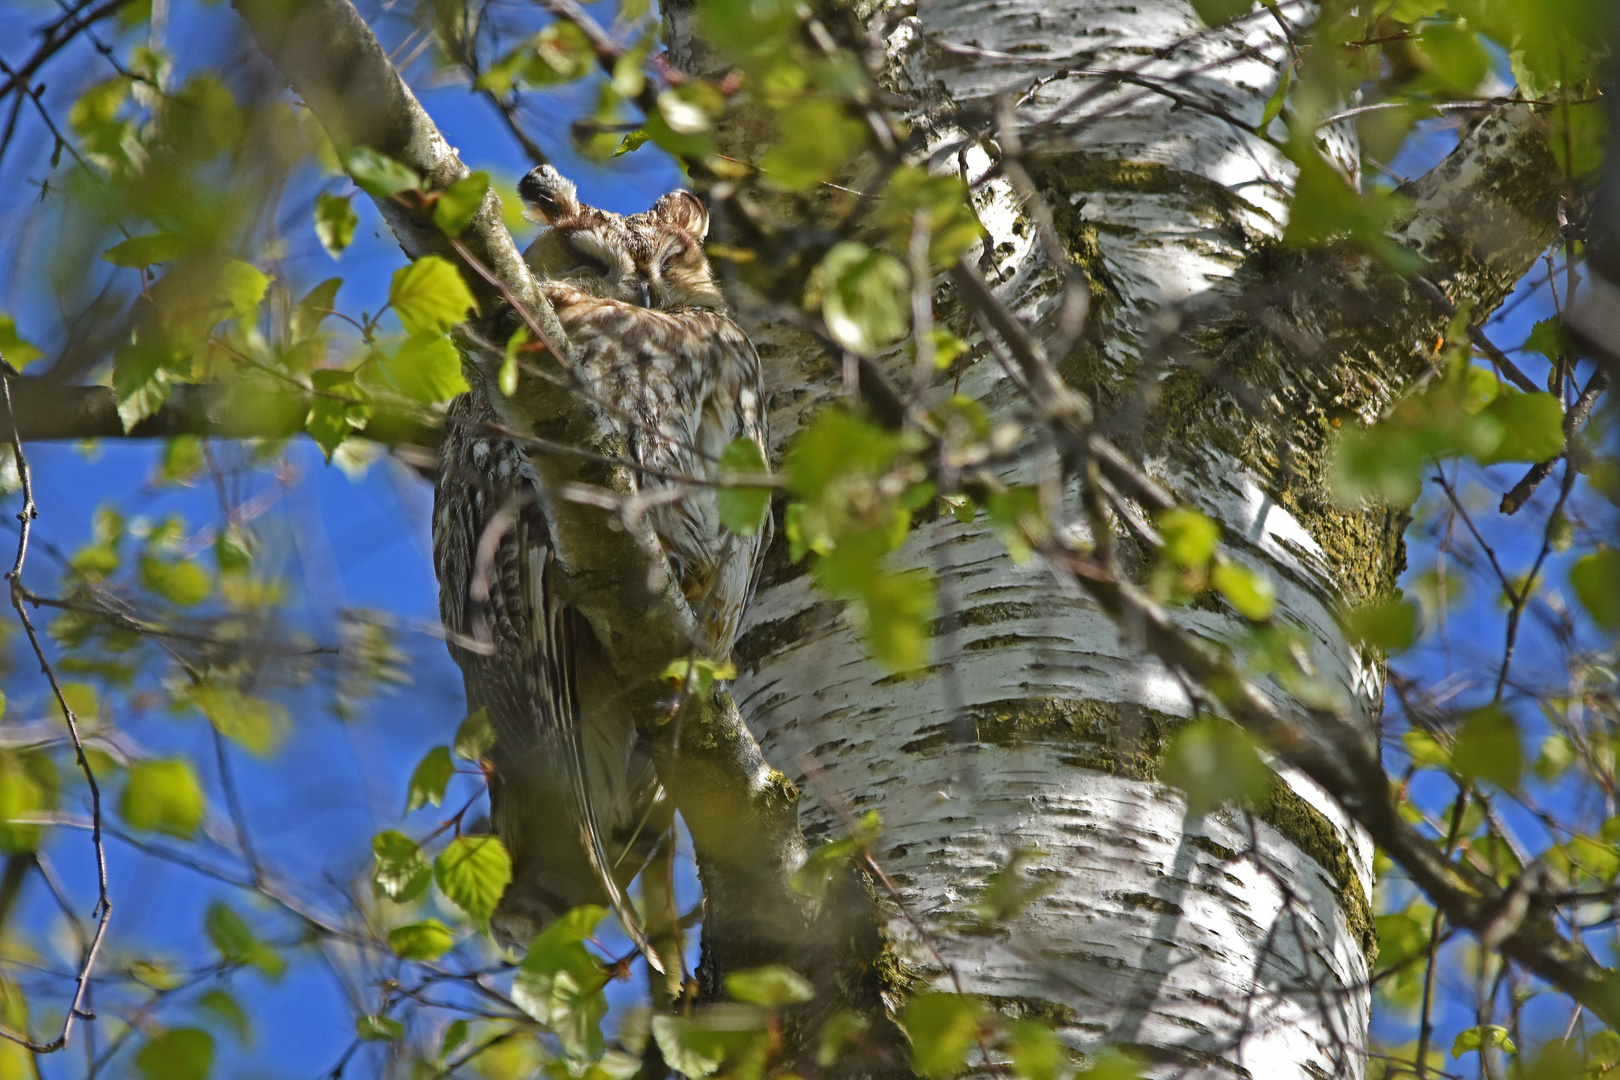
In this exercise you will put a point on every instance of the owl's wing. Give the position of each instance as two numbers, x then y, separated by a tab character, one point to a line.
516	643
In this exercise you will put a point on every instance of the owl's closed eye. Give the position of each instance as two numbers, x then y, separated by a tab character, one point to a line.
653	259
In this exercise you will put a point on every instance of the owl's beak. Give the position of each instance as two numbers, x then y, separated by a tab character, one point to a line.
646	295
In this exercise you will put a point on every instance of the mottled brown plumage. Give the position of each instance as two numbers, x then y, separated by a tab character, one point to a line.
574	795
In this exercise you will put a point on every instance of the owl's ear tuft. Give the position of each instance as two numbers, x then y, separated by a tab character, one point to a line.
548	196
684	209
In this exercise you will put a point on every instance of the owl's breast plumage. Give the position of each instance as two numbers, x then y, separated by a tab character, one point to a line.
682	385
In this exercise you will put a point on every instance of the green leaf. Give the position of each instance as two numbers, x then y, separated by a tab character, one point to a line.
181	1054
1577	138
379	176
1251	593
560	983
946	207
1532	427
182	460
426	940
241	288
430	296
1326	208
473	872
182	583
815	137
252	722
238	944
203	119
743	509
772	986
1278	98
1214	762
1596	580
163	795
454	1036
1454	56
23	794
316	305
427	368
943	1029
335	222
378	1028
1190	538
826	862
865	297
13	349
1487	748
474	737
401	873
841	1027
700	1044
695	674
458	204
432	773
1390	624
1037	1053
230	1013
1487	1036
1426	751
1215	12
142	251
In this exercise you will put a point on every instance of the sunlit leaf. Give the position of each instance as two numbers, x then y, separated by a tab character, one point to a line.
1490	1035
1250	592
1487	748
401	873
429	295
230	1013
474	737
1596	580
1532	427
24	793
316	305
742	509
238	944
560	983
459	203
180	1054
943	1029
427	368
428	781
379	176
426	940
772	987
1190	538
335	222
256	724
473	872
1214	762
182	582
865	297
13	349
163	795
378	1028
816	137
142	251
1037	1052
1389	624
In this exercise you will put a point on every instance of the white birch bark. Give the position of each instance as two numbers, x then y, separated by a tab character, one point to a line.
1228	944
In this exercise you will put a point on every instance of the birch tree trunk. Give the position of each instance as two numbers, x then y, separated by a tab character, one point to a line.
1231	943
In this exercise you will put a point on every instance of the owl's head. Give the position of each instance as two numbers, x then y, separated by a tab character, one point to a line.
653	259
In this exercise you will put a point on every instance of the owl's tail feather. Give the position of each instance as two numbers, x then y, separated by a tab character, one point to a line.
590	835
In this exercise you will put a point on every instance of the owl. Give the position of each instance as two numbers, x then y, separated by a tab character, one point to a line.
573	792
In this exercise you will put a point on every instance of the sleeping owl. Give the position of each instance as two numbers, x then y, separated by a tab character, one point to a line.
574	796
